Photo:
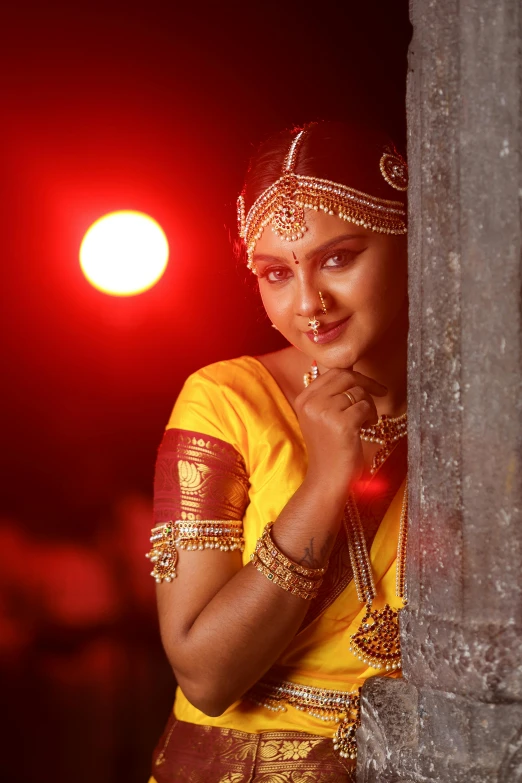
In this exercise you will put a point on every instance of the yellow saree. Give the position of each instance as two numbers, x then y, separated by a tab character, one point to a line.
239	403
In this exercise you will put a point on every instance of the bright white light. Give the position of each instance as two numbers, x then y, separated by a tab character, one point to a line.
124	253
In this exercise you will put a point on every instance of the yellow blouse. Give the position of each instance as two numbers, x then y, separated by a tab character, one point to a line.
239	402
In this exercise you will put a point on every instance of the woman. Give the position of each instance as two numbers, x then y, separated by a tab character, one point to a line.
280	503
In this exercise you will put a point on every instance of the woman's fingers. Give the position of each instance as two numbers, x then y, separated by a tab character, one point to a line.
356	397
336	381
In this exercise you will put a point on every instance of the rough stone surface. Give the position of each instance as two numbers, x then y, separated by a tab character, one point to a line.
457	714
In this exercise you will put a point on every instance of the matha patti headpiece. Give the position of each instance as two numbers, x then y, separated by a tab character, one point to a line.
283	204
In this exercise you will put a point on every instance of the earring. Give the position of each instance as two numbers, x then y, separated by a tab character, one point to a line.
314	325
323	306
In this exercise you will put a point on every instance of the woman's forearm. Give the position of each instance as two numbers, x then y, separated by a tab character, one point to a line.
246	626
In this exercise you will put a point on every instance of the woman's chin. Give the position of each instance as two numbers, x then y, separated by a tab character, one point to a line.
336	357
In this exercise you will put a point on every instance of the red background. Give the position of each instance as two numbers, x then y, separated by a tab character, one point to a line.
155	108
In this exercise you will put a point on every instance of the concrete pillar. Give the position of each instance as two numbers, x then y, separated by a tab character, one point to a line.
457	715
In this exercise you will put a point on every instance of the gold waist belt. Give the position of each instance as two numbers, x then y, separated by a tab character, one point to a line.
340	707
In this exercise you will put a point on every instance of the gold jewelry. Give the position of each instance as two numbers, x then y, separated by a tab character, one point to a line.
268	559
163	554
283	204
291	565
314	325
386	432
341	707
323	306
290	585
312	375
394	169
225	535
350	397
377	641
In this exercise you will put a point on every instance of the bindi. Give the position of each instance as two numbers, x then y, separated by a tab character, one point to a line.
295	257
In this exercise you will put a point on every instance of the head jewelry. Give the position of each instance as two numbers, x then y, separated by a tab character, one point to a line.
283	204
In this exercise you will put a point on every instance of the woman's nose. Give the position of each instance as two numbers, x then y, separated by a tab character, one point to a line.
308	299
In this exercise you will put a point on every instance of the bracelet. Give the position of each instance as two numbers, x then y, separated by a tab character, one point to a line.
288	584
225	535
279	569
285	561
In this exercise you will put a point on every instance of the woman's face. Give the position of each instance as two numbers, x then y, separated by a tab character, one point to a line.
362	276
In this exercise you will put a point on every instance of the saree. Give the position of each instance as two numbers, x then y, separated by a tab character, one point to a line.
233	449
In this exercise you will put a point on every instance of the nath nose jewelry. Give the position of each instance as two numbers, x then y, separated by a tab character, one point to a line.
314	325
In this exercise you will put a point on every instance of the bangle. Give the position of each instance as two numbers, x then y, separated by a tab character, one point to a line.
287	581
279	569
285	561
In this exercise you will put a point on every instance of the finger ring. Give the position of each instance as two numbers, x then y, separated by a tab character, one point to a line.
350	397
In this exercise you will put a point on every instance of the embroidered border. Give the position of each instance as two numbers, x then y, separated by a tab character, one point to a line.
199	477
190	753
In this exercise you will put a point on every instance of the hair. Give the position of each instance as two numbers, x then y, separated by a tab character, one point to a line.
347	153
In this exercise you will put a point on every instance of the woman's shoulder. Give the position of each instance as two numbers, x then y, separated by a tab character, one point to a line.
246	390
280	372
230	372
236	401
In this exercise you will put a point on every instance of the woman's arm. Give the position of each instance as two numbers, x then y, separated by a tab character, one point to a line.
224	625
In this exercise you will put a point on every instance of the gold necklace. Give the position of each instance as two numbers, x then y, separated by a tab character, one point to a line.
377	641
387	431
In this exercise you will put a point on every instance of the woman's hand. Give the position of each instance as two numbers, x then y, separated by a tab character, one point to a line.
331	426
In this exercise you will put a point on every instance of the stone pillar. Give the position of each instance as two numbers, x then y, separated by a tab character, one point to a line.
457	714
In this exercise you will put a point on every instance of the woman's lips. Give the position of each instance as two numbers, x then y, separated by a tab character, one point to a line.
329	332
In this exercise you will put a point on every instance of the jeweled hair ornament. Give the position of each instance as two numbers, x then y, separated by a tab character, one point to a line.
283	204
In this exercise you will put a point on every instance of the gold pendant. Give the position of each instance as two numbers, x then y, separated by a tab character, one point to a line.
377	642
344	740
163	554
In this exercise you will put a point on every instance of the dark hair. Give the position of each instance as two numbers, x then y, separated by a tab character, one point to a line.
342	152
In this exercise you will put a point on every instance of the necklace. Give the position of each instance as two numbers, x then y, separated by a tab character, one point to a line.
377	641
387	431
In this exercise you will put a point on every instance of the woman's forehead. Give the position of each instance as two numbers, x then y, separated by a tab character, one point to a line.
322	229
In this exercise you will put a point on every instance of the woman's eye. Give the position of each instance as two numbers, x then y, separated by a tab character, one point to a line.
339	259
277	274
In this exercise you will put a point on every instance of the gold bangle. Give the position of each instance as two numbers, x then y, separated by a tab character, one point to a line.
268	559
314	573
286	584
286	574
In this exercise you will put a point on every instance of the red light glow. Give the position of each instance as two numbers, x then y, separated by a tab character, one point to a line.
124	253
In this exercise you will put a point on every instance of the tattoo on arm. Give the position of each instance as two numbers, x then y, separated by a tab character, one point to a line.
309	559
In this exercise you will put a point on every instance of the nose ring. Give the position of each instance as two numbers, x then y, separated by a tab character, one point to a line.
323	306
314	325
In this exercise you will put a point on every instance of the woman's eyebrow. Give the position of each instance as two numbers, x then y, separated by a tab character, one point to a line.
263	257
331	243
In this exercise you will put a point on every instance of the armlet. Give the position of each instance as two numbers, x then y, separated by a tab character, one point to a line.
200	496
